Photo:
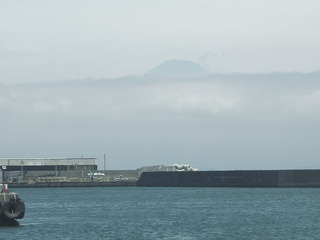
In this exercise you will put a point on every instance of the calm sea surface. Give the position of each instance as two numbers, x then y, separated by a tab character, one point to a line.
167	213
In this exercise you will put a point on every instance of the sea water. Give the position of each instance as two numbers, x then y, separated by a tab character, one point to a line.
167	213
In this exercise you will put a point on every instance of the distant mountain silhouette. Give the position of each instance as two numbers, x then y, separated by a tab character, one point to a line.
176	67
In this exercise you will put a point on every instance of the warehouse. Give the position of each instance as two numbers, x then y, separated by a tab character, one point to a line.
27	167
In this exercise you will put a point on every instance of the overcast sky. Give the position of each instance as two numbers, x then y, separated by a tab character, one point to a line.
221	121
213	122
56	40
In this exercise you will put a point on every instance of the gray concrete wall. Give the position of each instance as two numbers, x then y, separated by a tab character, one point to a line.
209	179
299	178
252	178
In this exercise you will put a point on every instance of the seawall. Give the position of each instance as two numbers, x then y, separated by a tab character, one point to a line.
237	178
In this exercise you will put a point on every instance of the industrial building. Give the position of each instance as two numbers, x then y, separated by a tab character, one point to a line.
37	167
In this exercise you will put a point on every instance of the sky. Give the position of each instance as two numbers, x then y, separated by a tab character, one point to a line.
267	121
58	40
71	85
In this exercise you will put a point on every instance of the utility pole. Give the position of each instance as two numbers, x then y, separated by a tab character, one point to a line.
3	191
105	166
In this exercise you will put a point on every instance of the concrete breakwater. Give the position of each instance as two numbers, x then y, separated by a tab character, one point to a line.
236	178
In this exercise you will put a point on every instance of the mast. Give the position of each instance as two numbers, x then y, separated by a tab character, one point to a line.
3	185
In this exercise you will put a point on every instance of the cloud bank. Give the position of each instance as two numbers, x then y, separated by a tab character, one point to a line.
235	121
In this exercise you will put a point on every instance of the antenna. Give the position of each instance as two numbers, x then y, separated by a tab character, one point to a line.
3	185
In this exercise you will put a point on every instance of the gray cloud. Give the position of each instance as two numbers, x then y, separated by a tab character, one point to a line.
218	121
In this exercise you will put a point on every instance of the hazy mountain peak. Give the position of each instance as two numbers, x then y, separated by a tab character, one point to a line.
176	67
